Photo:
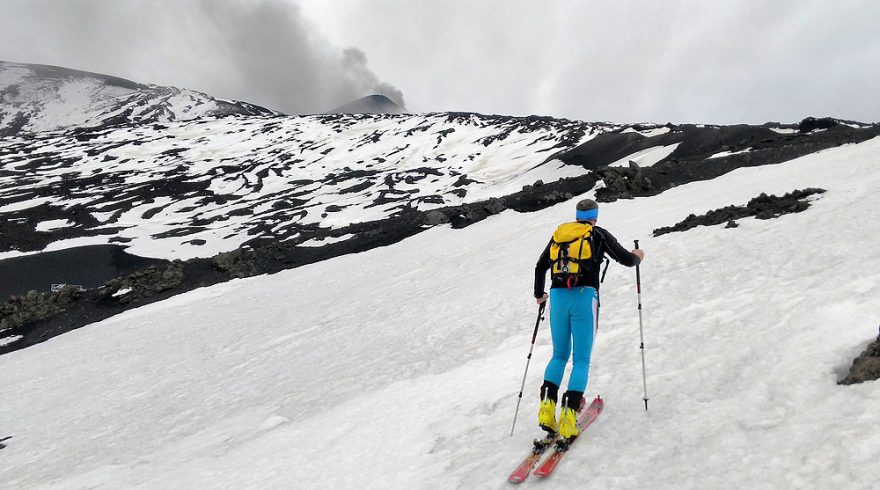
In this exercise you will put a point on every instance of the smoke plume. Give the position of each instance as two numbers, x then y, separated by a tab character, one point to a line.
259	51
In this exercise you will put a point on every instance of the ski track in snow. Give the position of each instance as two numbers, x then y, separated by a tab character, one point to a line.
399	367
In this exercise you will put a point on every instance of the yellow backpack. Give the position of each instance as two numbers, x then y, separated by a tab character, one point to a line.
570	250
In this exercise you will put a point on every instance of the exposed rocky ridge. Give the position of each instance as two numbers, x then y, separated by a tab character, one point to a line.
34	307
865	367
143	284
761	207
691	159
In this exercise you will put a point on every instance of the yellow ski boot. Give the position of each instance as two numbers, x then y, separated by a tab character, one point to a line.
547	415
568	423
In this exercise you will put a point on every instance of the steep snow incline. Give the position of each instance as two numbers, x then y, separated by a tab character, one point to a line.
47	98
399	367
194	189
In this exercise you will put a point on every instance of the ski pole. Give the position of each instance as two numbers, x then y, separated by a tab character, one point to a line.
641	330
528	361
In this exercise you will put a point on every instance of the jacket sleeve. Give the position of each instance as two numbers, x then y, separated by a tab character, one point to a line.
617	252
541	269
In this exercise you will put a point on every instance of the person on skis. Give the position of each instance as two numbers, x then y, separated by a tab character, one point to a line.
574	256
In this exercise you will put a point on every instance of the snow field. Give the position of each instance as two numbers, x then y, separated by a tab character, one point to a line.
399	367
647	157
288	151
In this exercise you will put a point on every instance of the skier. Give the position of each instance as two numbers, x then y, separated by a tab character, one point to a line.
574	254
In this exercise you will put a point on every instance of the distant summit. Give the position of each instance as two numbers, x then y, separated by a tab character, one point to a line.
371	104
37	98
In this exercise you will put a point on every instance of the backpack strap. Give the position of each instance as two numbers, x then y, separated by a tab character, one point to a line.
581	247
607	263
563	253
589	240
596	252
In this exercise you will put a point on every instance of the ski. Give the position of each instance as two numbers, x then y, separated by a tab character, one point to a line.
584	420
522	471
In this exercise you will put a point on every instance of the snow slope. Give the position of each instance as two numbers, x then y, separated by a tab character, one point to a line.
648	157
399	367
197	188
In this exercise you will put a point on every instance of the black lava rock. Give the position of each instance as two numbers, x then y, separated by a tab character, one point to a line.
812	124
761	207
865	367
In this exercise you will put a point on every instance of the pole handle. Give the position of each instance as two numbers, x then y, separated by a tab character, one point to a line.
538	321
638	277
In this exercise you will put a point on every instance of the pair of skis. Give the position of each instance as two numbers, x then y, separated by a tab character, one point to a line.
585	418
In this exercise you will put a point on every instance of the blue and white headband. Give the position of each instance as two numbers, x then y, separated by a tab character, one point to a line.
587	215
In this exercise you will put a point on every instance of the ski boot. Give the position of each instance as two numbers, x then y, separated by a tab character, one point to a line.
547	412
547	416
572	402
568	428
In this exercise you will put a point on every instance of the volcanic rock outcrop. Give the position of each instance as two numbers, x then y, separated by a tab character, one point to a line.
761	207
865	367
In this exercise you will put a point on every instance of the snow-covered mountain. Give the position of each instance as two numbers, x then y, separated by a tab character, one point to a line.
46	98
399	367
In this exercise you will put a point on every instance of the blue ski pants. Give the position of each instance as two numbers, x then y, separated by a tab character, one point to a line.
573	323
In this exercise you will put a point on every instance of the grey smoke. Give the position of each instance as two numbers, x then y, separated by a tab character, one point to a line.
355	63
260	51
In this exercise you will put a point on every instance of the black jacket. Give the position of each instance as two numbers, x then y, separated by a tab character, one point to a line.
603	242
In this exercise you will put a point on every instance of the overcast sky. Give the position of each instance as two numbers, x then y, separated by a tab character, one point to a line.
718	61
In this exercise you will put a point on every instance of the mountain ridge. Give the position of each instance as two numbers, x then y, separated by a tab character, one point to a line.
37	98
